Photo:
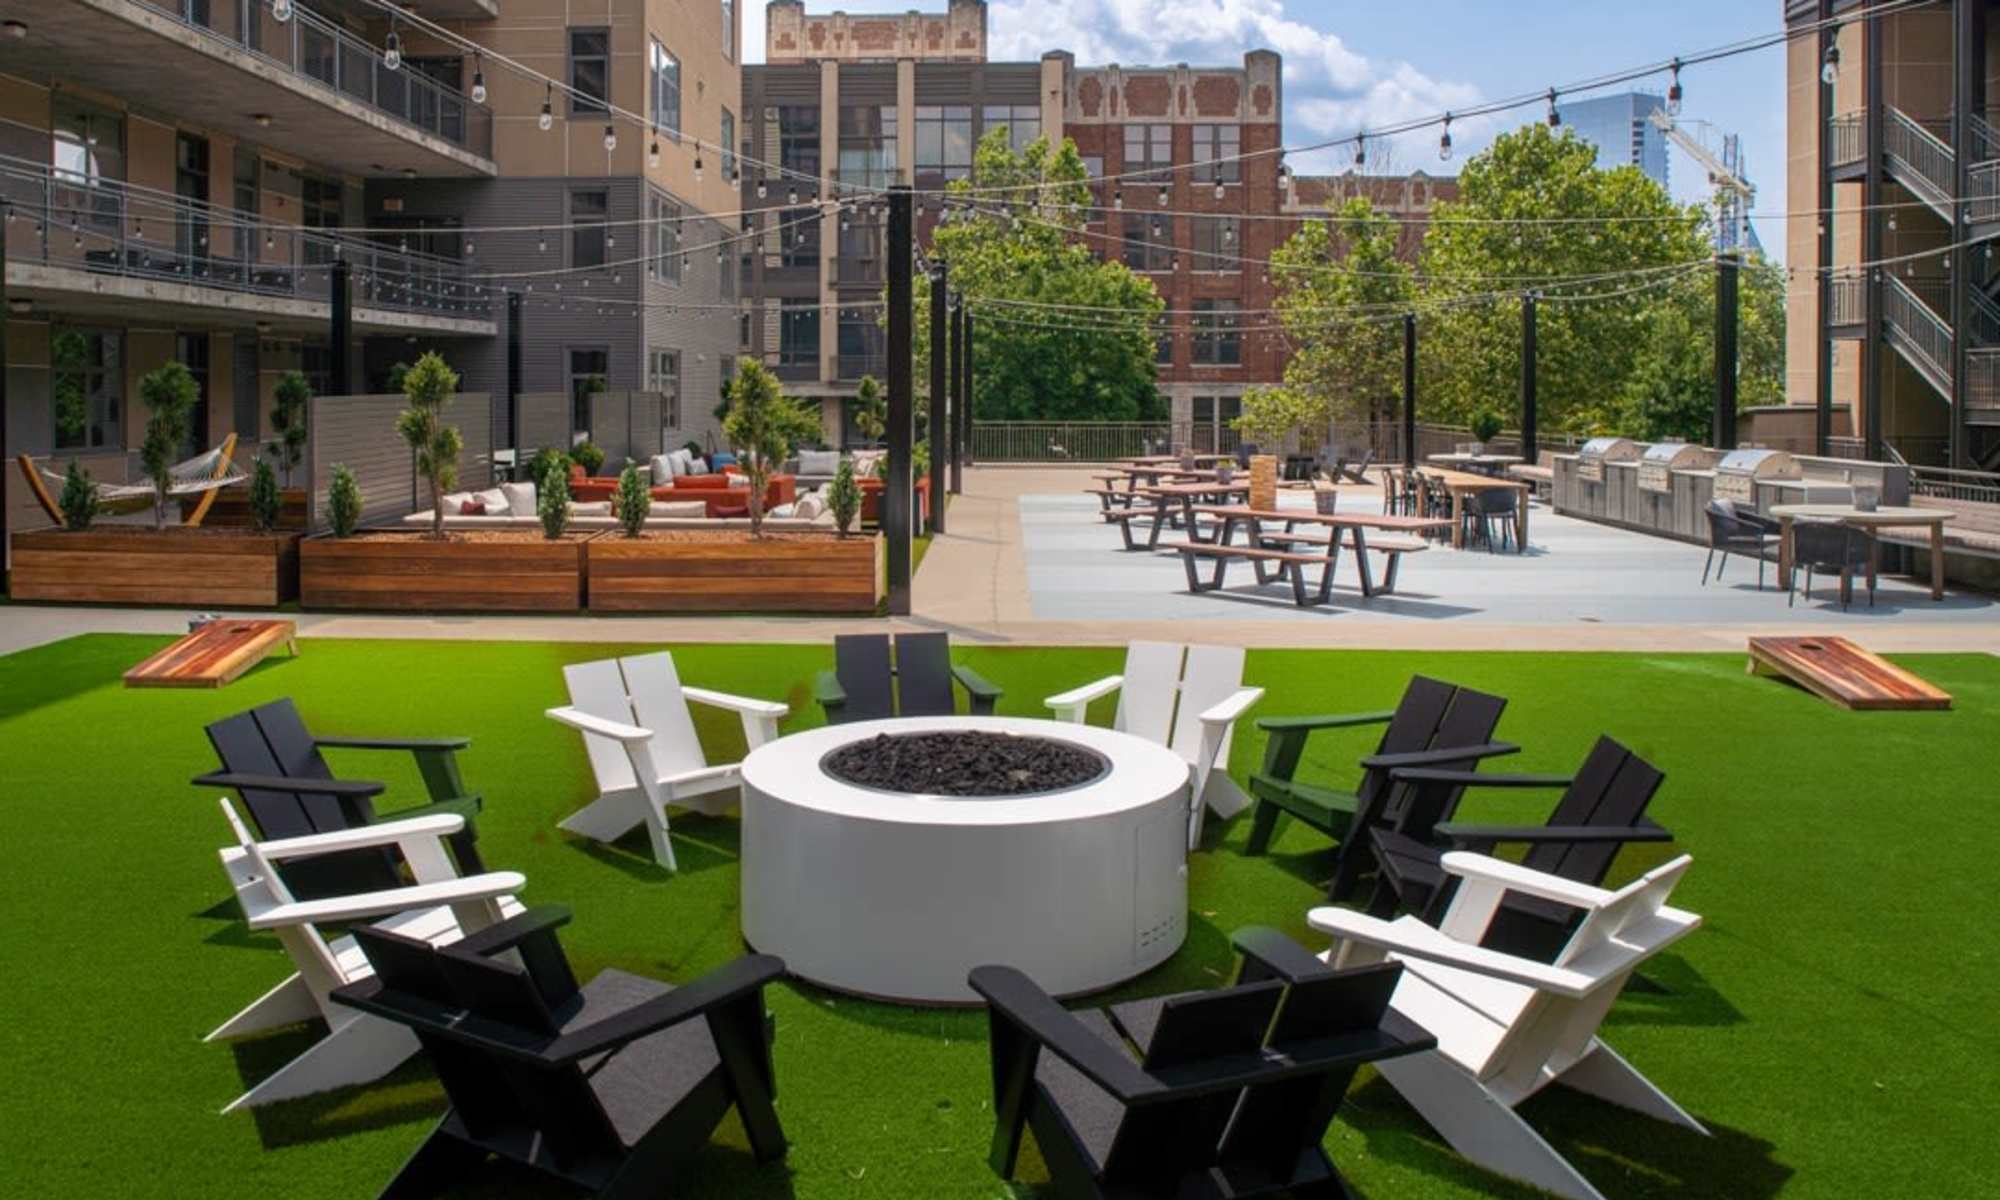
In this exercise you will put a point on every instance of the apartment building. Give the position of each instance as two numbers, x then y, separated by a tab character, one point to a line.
1405	199
860	102
1894	182
1621	127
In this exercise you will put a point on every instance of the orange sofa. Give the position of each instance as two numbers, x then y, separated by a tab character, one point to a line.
723	499
871	499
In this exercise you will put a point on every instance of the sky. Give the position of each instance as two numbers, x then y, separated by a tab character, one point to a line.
1350	65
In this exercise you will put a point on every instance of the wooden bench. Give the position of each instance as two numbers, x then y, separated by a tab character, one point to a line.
1975	532
1112	498
1384	543
1161	518
1270	564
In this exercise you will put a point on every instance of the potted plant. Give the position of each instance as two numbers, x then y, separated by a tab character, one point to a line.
588	456
288	420
265	503
1271	415
766	425
1485	426
79	502
429	386
843	496
632	501
552	499
871	410
343	502
169	393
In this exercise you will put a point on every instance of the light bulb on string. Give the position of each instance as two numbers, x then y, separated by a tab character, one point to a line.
1165	197
1219	193
1360	149
281	11
1829	71
1674	89
1444	140
479	79
1555	114
653	153
547	120
763	189
610	138
697	164
392	48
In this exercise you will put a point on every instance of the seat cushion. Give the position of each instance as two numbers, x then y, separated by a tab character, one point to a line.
643	1080
1090	1111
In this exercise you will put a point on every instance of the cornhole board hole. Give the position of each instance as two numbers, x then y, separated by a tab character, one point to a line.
1840	672
215	654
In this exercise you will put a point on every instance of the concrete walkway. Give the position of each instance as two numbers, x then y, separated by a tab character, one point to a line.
1027	562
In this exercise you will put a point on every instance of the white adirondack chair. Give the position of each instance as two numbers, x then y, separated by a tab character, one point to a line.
1186	698
1508	1027
633	714
439	907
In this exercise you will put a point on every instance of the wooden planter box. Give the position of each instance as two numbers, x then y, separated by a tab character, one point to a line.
718	574
231	509
408	572
134	564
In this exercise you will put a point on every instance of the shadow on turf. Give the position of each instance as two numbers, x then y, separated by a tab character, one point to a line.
24	688
700	844
1625	1154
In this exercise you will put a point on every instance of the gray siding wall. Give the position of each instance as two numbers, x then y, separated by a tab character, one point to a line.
359	432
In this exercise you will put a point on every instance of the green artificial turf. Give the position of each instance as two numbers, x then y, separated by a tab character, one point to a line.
1831	1023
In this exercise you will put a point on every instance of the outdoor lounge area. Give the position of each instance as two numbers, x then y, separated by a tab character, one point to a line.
1814	1017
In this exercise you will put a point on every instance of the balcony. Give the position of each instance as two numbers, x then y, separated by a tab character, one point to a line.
849	368
1847	300
303	84
108	248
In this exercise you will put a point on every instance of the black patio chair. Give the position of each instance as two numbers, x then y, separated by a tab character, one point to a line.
611	1087
865	685
1499	508
1733	531
1830	548
1208	1094
274	764
1603	807
1435	724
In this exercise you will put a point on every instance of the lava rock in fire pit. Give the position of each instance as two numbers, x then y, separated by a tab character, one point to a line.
964	764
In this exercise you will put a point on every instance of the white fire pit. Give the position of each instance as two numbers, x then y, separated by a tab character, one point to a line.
898	895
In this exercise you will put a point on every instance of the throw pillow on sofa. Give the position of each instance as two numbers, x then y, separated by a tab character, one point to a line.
591	508
720	459
471	508
454	501
678	508
495	501
520	499
662	469
819	462
808	507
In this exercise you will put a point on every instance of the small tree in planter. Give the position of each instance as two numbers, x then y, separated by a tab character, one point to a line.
552	502
766	425
843	496
589	456
547	459
265	502
1486	426
169	393
79	501
343	502
288	419
632	501
871	410
429	386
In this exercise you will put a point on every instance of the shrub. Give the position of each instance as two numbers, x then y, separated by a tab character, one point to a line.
592	457
343	502
871	409
169	393
632	501
843	496
79	502
429	386
264	500
766	425
546	459
1486	425
552	502
288	418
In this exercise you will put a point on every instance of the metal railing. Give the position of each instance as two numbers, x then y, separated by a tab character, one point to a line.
1103	441
1847	297
315	49
1068	441
1982	382
1927	158
1945	483
849	368
1924	337
1848	135
104	227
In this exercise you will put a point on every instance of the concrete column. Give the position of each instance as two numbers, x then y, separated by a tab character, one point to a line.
906	121
1055	87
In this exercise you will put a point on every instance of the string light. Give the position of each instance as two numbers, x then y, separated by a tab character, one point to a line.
1360	150
653	154
610	137
281	11
1829	72
392	47
697	163
548	118
1555	116
1674	89
478	79
1444	140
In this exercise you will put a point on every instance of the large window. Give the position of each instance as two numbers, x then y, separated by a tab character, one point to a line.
1023	122
729	30
191	351
798	145
944	143
728	146
588	212
439	236
663	375
860	258
798	237
1148	243
798	332
1216	148
664	263
1163	342
863	344
666	90
590	70
1215	247
589	367
89	144
867	145
1149	149
86	378
1217	340
247	200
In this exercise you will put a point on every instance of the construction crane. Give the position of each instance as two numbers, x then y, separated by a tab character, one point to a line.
1721	155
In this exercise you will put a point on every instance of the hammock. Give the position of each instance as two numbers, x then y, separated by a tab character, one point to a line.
204	473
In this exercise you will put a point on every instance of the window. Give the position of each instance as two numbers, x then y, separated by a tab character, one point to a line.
247	200
863	344
729	30
867	145
861	256
191	183
86	380
588	212
664	264
663	375
89	144
1149	149
944	143
798	238
1215	247
438	236
1148	243
590	71
191	351
728	146
316	364
798	332
588	368
319	208
1023	122
666	90
1163	343
1217	342
1218	146
798	144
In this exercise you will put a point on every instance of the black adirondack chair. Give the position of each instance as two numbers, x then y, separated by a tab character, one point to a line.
1219	1101
610	1087
1603	806
1436	724
273	763
865	686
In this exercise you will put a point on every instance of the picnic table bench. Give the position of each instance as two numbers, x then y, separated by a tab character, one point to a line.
1162	512
1273	554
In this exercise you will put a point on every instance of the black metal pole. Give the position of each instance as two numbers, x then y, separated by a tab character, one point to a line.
515	311
965	419
939	317
960	402
1968	69
1872	228
896	489
341	335
1823	332
1529	450
1725	350
1409	389
6	533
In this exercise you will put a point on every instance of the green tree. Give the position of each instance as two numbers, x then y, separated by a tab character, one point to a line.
265	503
169	392
766	426
1062	335
1483	243
288	420
1671	390
79	501
343	502
632	501
871	409
429	387
552	501
843	496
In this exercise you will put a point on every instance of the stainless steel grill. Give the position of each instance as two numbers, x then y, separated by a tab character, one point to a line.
1662	458
1740	471
1590	459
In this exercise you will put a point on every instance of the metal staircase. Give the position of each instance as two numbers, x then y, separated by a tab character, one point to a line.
1920	160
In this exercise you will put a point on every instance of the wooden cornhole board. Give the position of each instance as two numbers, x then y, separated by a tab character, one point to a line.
1837	670
215	654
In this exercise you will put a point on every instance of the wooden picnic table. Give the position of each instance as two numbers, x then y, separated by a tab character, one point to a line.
1109	496
1464	483
1153	460
1264	543
1883	517
1164	497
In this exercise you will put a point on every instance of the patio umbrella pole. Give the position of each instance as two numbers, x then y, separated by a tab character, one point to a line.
897	489
939	297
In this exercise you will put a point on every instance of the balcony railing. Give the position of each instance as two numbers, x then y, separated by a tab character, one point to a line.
1921	148
1849	139
106	227
1847	299
314	49
1917	329
851	367
1982	381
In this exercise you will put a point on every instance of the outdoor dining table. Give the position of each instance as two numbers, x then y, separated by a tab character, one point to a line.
1132	475
1189	495
1491	463
1335	524
1464	483
1883	517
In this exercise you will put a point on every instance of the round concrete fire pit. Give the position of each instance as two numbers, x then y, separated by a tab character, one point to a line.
898	894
